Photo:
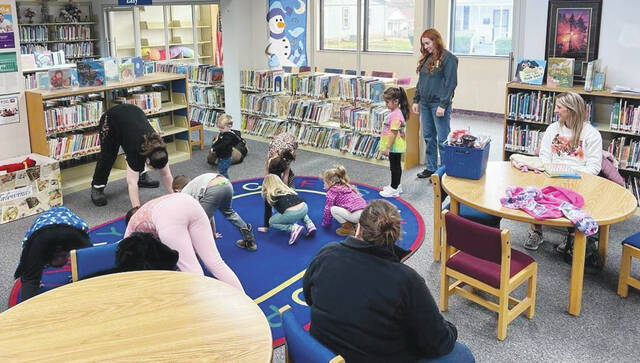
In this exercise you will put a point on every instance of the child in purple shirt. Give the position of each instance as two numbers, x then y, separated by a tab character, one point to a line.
343	202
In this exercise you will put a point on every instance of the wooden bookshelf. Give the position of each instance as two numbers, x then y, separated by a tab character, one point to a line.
603	104
78	174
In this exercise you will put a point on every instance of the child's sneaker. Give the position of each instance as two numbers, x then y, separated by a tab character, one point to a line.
387	187
296	229
389	193
534	241
311	230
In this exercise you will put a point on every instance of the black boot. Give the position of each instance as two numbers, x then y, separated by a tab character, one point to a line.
97	196
144	181
248	240
425	174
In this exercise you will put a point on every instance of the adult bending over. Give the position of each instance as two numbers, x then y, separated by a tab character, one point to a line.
369	307
48	242
438	70
571	141
126	125
179	222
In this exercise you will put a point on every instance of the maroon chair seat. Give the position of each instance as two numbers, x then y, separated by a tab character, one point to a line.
486	271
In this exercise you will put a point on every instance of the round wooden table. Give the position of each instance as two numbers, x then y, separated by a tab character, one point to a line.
144	315
604	200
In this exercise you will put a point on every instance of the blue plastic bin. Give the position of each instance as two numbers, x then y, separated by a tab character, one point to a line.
466	162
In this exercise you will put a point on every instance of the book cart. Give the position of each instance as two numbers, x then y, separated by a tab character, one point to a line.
63	123
333	114
529	109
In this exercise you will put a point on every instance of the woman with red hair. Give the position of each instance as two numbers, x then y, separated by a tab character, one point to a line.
438	70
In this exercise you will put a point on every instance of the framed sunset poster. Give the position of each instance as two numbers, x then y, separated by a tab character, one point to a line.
573	31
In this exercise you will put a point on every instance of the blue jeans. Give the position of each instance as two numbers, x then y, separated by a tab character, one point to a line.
223	166
434	130
286	220
459	354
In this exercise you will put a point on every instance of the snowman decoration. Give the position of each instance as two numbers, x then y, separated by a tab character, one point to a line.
279	48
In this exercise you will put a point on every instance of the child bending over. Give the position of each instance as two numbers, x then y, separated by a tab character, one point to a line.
343	201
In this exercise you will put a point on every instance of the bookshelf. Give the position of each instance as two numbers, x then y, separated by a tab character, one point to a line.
332	114
54	117
529	110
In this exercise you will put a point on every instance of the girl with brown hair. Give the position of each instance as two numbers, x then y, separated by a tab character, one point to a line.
438	70
343	202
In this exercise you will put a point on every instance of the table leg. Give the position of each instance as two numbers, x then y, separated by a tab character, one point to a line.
577	273
603	242
454	206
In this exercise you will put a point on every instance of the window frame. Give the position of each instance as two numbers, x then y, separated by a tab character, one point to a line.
452	29
365	34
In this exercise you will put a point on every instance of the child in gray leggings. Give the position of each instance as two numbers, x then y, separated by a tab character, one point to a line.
214	191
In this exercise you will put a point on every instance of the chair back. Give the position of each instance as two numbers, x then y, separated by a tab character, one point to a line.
87	261
301	346
382	74
473	238
353	72
334	70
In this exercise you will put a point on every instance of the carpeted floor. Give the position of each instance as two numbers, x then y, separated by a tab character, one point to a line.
606	331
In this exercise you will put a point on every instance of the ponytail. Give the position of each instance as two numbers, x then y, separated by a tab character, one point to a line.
404	104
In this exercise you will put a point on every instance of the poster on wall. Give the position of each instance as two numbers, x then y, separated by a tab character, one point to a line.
287	20
9	109
7	39
8	73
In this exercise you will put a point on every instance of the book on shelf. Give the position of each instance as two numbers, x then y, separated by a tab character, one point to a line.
155	123
59	116
523	139
90	72
59	78
625	117
28	61
530	71
534	106
598	81
149	67
111	74
42	80
633	185
74	145
126	72
628	155
560	72
43	59
556	170
592	68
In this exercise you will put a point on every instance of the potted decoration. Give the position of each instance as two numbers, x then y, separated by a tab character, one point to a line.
70	13
29	14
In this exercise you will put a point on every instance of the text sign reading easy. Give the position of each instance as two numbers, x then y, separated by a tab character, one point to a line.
134	2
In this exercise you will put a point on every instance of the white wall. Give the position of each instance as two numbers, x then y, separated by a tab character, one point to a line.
619	46
14	138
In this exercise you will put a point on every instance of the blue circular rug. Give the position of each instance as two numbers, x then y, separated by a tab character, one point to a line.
272	275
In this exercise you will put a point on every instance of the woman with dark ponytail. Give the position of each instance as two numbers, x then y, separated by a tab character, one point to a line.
393	141
367	306
126	125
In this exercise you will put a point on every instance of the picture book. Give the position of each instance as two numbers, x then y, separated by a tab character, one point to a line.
58	57
592	68
126	72
560	72
530	71
43	59
43	80
560	171
598	81
149	67
74	77
90	72
217	74
138	66
59	78
110	69
28	61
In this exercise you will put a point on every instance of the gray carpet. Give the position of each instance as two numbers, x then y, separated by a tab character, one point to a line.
607	329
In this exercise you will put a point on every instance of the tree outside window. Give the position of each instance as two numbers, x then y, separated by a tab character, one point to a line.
482	27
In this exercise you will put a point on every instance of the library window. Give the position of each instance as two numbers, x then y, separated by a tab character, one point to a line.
387	26
482	27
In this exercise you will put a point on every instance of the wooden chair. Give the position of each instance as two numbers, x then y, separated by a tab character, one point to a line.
353	72
87	261
382	74
630	250
196	126
484	260
300	346
334	70
439	195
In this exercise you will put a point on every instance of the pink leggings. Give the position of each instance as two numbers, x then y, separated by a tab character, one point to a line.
183	225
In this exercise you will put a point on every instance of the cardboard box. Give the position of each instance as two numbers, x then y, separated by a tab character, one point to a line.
29	191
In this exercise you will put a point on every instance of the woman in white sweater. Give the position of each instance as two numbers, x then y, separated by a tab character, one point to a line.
571	141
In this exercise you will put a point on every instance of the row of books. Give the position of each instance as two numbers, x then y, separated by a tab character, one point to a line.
208	117
33	48
523	139
267	81
38	33
80	49
627	154
538	107
265	104
315	111
205	74
97	72
73	32
625	117
207	96
364	145
364	119
74	145
66	118
633	185
148	101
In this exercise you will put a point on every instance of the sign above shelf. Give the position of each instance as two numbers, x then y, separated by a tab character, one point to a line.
134	2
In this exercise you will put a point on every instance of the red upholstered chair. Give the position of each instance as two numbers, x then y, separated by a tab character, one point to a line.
481	257
630	250
382	74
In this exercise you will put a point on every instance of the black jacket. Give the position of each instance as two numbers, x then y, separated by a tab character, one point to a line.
439	86
369	307
223	146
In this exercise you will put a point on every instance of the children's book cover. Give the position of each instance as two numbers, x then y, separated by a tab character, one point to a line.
74	77
59	78
110	69
217	74
530	71
43	59
560	72
126	71
138	66
43	80
149	67
90	72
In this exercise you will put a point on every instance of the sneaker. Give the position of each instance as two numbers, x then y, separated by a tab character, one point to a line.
534	241
387	187
425	173
296	229
311	230
562	247
145	181
389	193
97	197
